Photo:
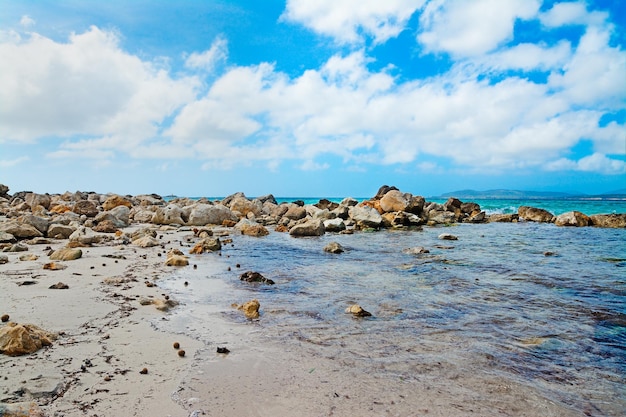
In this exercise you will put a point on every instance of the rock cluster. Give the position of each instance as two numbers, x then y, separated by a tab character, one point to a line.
89	218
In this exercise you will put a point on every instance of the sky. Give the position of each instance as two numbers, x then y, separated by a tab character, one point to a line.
324	98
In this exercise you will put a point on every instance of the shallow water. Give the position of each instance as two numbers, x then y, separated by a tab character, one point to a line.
490	303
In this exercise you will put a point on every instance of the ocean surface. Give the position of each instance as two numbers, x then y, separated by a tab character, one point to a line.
540	306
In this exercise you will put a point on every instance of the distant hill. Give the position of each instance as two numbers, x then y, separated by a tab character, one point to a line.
503	194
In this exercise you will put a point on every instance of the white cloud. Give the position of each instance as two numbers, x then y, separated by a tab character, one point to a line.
470	28
528	57
26	21
208	59
596	162
347	20
87	87
9	163
571	13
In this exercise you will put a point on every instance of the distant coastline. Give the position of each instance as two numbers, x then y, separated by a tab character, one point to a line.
504	194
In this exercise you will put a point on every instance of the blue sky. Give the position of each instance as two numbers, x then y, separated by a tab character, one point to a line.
312	98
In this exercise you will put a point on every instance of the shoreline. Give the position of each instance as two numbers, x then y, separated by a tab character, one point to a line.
108	325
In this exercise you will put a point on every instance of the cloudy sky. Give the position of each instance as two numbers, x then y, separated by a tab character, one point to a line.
312	98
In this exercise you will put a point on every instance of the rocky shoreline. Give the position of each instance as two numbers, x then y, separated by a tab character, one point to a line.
120	240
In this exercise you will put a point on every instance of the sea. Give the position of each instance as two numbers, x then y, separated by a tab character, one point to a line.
532	306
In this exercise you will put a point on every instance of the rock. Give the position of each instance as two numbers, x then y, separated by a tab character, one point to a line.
251	276
251	309
176	258
453	204
447	236
29	257
203	214
333	247
334	225
146	242
533	214
66	254
572	218
17	247
7	238
251	228
4	259
244	206
384	190
60	231
105	226
503	218
53	266
295	212
85	236
4	191
210	244
39	223
366	217
21	409
441	217
477	217
394	200
170	214
34	200
59	286
116	201
20	231
418	250
164	304
22	339
86	208
609	220
357	311
325	204
309	228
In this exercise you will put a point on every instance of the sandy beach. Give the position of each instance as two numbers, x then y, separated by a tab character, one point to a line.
105	336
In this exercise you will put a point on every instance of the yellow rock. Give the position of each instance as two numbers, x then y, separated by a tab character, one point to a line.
251	309
358	311
21	339
177	260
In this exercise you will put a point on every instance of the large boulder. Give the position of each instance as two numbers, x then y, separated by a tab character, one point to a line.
609	220
572	218
34	200
22	339
244	206
60	231
394	200
85	236
384	189
366	217
170	214
38	222
295	212
334	225
115	201
86	207
309	228
20	231
441	217
7	237
534	214
503	217
119	216
202	214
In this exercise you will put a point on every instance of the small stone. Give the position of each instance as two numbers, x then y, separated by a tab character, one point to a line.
333	247
144	371
181	353
223	350
358	311
176	345
59	286
4	318
251	309
448	236
107	378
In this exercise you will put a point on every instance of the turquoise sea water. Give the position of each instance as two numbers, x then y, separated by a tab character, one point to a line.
534	305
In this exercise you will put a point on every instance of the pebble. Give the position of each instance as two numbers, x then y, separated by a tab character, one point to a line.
4	318
144	371
181	353
176	345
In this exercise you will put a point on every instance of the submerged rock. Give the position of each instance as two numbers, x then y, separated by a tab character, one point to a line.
251	276
533	214
250	309
448	236
357	311
333	247
572	218
609	220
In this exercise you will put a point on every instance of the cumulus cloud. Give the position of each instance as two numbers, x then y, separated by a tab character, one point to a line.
88	86
348	20
26	21
208	59
571	13
596	162
470	28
